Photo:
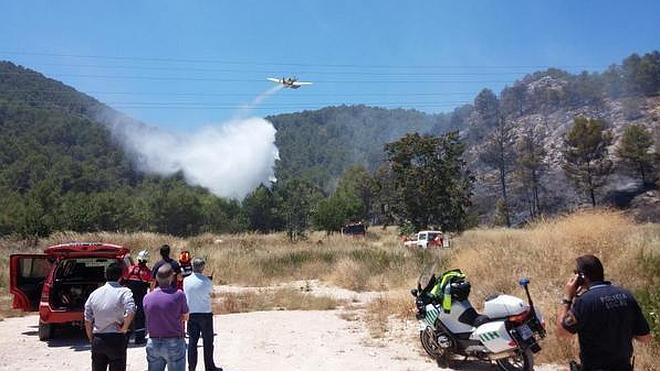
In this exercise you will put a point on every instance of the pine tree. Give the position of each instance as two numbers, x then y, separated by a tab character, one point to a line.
499	153
586	160
530	166
431	183
634	151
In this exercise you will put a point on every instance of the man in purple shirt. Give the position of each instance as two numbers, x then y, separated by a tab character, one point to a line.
166	310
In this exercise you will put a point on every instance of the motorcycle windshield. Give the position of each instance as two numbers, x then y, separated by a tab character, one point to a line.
427	276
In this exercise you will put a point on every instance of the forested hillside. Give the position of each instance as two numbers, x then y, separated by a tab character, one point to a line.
320	145
550	142
61	170
540	108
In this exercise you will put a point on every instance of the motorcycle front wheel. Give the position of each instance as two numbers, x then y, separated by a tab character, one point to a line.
522	361
430	345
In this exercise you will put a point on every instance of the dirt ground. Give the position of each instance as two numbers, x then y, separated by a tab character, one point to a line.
284	340
275	340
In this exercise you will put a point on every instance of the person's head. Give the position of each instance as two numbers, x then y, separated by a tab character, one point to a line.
184	257
590	267
164	275
198	265
165	251
143	256
113	272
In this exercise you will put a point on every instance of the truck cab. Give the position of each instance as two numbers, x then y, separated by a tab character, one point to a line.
426	239
58	282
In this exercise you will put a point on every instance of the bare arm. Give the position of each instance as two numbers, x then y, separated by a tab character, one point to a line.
564	315
88	329
644	339
127	323
562	312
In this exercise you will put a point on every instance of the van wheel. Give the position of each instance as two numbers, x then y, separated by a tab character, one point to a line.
45	331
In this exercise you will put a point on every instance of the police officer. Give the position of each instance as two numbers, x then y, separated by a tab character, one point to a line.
138	279
605	317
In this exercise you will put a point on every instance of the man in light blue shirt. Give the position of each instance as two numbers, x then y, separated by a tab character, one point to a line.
198	289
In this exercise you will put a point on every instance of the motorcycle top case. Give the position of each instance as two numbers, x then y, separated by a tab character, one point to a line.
503	306
493	335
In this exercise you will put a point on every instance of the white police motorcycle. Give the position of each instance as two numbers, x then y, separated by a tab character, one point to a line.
506	333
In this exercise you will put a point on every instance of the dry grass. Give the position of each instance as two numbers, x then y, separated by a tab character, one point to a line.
385	308
375	263
494	260
282	299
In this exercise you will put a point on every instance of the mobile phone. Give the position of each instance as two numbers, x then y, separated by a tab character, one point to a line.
580	279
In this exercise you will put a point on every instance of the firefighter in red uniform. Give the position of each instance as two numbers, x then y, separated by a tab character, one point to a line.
185	262
138	279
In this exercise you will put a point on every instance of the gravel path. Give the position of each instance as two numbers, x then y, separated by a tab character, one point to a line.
284	340
273	340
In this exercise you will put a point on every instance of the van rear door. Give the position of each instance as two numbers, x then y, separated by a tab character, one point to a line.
27	274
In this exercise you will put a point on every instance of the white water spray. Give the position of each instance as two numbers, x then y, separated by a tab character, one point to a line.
230	159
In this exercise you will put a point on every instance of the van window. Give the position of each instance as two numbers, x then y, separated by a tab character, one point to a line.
83	268
422	236
34	268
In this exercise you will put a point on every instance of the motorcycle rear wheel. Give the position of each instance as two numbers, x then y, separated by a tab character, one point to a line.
522	361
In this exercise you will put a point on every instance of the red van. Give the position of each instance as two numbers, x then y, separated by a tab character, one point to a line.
58	282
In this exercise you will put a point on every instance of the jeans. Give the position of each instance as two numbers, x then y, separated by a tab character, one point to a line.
109	350
200	323
170	352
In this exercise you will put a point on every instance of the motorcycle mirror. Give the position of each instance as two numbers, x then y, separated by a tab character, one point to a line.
414	292
523	282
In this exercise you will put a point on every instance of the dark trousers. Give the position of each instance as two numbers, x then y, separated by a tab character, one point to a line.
139	290
200	323
139	324
109	350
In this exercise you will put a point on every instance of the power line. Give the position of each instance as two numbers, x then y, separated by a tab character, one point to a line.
229	62
213	79
279	72
196	94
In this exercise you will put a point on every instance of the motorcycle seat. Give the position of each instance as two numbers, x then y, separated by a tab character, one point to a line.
472	318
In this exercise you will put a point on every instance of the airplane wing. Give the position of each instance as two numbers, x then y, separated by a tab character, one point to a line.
274	80
302	83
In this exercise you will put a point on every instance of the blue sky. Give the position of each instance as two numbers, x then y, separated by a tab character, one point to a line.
182	64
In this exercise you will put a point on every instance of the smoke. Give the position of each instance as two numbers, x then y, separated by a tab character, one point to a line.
229	159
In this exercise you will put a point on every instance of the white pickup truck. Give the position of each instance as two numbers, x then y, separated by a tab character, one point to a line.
426	239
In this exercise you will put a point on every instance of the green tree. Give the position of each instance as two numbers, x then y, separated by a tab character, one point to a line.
259	206
487	109
634	151
177	211
499	154
333	212
385	195
357	188
530	166
296	202
586	160
431	183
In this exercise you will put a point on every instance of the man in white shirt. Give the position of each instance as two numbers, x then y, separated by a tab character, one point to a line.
198	290
109	311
